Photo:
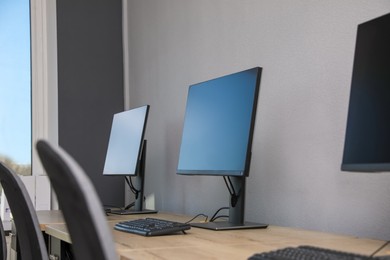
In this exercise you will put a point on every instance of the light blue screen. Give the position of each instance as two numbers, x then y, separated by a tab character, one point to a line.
217	125
125	141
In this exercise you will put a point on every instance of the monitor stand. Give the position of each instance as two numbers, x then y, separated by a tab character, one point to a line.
139	183
236	211
226	225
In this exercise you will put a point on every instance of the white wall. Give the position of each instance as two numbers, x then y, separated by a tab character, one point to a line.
306	50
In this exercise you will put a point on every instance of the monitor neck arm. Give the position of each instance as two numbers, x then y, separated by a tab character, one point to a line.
233	195
237	199
139	181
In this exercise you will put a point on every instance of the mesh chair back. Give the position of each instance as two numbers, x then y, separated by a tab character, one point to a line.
83	212
30	237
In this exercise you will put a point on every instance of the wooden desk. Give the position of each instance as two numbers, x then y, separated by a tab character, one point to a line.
205	244
47	217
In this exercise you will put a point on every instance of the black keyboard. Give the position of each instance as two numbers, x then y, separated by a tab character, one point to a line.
151	227
308	252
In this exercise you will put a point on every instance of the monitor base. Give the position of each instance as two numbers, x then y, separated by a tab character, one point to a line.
132	212
219	225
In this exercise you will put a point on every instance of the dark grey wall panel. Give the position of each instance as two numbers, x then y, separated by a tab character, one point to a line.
90	85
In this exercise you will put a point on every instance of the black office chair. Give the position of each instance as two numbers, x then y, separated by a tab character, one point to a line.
30	237
3	245
83	212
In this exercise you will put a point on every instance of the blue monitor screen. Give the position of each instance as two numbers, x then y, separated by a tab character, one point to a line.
218	125
125	142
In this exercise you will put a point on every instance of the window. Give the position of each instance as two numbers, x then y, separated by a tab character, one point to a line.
15	85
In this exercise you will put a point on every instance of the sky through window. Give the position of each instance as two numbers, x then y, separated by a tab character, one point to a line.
15	82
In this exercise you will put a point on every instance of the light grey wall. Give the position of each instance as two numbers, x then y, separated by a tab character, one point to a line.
306	50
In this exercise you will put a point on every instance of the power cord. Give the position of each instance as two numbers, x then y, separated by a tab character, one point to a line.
214	217
233	195
129	206
132	188
380	248
221	216
197	217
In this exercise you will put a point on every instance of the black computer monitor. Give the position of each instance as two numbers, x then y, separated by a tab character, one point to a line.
367	139
126	154
217	137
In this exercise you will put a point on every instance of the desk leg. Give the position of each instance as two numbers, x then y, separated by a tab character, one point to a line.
59	250
54	248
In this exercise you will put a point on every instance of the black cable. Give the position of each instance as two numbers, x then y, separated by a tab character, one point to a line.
132	188
380	248
130	184
233	195
196	217
221	216
108	208
135	190
133	185
230	188
112	206
215	214
129	206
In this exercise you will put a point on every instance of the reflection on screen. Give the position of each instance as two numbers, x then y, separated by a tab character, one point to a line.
127	133
217	126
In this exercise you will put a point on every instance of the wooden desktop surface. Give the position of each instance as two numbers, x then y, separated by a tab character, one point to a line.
205	244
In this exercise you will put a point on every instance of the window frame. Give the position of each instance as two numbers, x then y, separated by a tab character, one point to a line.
43	76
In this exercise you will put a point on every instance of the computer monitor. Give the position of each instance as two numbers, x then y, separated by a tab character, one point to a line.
367	138
217	137
126	154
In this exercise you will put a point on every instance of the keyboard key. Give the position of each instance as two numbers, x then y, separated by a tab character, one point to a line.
151	227
308	252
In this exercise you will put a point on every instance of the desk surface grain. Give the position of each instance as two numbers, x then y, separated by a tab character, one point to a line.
205	244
